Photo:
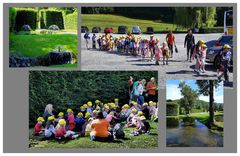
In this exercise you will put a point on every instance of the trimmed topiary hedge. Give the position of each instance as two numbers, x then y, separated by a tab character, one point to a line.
188	120
172	121
71	21
25	16
172	109
12	17
51	17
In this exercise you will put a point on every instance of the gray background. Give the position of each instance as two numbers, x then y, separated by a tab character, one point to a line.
15	98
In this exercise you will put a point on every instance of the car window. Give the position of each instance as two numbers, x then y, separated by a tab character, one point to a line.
226	39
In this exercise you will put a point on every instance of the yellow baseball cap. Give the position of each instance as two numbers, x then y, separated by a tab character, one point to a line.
61	122
140	113
69	110
89	104
50	118
80	114
60	114
226	46
40	119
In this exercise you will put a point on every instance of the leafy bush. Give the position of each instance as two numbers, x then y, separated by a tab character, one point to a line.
66	89
12	18
172	109
71	21
188	120
51	17
172	121
25	16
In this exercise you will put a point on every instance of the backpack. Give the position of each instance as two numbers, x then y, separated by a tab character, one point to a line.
86	35
118	131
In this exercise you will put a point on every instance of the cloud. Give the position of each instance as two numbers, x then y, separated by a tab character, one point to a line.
173	92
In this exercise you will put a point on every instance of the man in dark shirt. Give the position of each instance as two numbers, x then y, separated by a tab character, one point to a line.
189	42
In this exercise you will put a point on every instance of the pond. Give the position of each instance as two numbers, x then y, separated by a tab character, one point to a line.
193	136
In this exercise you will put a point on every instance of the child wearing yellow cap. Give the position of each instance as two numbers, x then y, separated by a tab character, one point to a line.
88	127
79	120
70	119
90	108
60	116
38	128
61	132
49	128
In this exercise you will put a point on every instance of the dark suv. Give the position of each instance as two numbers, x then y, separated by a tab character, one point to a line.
122	30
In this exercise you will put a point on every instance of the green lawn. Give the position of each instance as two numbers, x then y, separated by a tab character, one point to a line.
41	44
141	141
104	20
203	117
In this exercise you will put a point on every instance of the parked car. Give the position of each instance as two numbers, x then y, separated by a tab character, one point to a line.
136	30
225	39
96	30
108	30
213	55
149	30
84	29
122	30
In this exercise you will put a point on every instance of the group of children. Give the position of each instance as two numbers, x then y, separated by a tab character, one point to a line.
69	126
130	44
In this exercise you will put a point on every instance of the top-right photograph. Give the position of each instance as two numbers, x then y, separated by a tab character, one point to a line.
179	42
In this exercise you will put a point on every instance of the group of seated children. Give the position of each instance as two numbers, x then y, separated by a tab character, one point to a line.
99	121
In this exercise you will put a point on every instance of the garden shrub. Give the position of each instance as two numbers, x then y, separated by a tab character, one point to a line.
188	120
71	21
172	121
211	30
25	16
172	109
12	18
219	117
51	17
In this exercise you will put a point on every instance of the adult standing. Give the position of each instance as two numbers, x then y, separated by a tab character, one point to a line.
100	128
151	88
135	91
48	111
140	89
189	42
170	38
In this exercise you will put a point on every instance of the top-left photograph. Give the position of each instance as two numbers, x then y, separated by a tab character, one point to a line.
43	37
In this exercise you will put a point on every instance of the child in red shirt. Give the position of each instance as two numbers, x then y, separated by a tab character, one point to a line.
61	132
71	122
38	128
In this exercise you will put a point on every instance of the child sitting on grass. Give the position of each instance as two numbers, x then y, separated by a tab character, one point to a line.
130	118
79	122
60	116
88	128
61	132
38	128
49	128
89	107
71	123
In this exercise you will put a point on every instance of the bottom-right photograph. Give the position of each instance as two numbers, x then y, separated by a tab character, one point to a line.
194	113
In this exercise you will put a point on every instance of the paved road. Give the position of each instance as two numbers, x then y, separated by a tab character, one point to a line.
178	67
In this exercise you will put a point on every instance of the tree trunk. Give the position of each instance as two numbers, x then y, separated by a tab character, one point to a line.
211	104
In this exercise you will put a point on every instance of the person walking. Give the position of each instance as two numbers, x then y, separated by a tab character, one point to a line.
226	55
189	42
86	37
170	39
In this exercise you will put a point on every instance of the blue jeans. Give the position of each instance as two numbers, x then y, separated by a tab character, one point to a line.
141	100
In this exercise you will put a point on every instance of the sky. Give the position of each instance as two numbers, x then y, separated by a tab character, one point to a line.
173	92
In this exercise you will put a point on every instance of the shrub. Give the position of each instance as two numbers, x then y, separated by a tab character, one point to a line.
12	18
172	109
51	17
25	16
219	117
188	120
172	121
71	21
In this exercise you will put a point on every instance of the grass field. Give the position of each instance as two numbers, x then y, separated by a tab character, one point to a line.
141	141
203	117
38	45
104	20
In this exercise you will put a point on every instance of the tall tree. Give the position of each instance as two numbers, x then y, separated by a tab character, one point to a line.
189	97
206	88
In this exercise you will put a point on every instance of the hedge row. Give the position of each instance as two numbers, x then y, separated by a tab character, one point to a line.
51	17
172	109
25	16
42	18
71	21
172	121
188	120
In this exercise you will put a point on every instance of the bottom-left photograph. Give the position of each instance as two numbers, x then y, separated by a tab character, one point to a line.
93	109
